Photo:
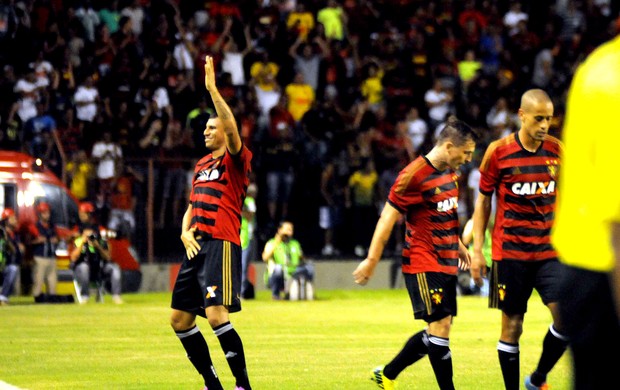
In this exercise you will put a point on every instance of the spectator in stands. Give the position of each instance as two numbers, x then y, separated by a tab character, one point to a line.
86	99
11	250
438	100
90	257
285	261
360	197
300	96
80	174
334	19
122	219
107	155
34	130
301	21
308	60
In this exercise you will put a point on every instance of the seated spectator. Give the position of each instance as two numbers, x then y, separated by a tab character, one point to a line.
286	270
11	250
90	257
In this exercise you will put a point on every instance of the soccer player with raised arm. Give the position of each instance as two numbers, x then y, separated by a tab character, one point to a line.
522	169
209	281
426	192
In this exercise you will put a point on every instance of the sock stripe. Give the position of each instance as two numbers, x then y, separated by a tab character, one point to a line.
557	334
187	333
223	329
507	347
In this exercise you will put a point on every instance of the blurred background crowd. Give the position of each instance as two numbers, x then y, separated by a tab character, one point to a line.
333	97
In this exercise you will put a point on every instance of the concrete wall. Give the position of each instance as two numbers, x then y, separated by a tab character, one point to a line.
329	275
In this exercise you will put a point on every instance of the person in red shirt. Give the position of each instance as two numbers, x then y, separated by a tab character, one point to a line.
522	170
426	191
209	281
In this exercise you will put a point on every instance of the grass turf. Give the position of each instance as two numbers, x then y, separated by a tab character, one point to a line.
330	343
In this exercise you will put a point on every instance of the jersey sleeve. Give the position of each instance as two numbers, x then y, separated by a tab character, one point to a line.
404	192
489	171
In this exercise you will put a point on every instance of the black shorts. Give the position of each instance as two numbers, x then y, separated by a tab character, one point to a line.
511	283
211	278
432	294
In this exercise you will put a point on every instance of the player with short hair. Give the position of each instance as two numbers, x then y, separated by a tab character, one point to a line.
209	281
587	227
522	168
426	191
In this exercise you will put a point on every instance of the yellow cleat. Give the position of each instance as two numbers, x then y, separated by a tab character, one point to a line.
381	381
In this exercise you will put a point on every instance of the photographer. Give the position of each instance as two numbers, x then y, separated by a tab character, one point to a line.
285	265
90	258
11	250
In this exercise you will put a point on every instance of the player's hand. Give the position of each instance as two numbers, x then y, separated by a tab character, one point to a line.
209	74
363	272
464	257
189	242
478	268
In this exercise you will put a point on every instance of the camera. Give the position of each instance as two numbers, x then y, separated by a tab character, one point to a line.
92	237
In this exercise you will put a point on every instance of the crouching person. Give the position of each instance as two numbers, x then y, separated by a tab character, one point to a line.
90	259
287	272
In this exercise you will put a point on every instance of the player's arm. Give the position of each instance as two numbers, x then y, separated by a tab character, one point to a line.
482	211
381	236
233	140
187	234
615	277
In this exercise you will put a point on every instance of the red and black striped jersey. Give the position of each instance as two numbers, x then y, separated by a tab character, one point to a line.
218	190
526	188
429	199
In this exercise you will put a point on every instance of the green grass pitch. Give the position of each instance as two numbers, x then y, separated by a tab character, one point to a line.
330	343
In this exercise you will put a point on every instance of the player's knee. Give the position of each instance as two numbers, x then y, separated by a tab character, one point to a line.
179	321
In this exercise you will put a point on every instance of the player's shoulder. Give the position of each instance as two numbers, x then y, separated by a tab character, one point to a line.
553	142
502	143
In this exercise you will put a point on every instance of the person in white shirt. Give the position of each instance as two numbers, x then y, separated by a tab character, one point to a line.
86	98
513	17
107	154
438	102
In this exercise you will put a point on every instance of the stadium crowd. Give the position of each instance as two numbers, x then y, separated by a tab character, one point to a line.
333	97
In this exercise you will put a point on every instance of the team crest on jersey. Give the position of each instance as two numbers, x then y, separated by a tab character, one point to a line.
501	291
552	167
211	291
437	296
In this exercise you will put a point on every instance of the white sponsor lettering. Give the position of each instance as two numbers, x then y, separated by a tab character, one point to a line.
534	188
448	204
208	175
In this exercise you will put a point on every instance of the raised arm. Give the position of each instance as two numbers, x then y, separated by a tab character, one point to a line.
233	140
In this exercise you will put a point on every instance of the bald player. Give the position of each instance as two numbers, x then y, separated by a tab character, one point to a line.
522	170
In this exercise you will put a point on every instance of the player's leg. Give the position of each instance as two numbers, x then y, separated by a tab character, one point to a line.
184	325
549	277
222	280
187	299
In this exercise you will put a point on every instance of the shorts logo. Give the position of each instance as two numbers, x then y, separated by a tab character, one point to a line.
211	291
437	296
501	291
